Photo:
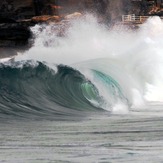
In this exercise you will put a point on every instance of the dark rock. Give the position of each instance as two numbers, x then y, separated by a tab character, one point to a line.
7	20
14	35
16	16
13	32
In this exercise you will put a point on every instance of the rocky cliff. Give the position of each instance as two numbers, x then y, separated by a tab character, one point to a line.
17	15
18	9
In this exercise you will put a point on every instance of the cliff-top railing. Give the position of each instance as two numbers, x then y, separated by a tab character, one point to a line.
135	19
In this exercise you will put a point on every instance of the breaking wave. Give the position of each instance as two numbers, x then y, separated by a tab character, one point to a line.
33	88
85	68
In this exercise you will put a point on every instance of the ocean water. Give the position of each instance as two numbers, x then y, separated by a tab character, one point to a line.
84	93
102	138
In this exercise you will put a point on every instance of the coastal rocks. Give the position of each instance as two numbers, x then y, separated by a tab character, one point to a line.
17	16
54	19
156	11
13	32
14	35
45	18
17	34
73	16
17	9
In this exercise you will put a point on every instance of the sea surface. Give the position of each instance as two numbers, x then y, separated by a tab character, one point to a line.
136	137
90	95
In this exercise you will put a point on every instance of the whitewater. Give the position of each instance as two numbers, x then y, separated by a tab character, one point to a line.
84	92
133	58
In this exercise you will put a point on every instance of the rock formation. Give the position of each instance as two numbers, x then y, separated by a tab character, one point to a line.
17	15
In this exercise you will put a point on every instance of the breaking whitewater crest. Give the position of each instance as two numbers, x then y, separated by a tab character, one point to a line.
91	69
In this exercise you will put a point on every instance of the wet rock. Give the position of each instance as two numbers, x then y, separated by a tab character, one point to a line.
45	18
14	35
73	15
6	20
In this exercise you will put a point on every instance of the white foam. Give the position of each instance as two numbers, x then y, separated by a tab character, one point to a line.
5	59
120	108
138	55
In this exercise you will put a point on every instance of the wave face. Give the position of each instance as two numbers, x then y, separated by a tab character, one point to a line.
98	69
34	89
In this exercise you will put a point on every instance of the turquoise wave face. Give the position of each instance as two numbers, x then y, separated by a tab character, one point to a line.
114	91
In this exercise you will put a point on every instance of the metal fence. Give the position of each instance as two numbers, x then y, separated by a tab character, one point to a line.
135	19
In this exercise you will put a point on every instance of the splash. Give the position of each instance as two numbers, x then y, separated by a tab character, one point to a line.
132	58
